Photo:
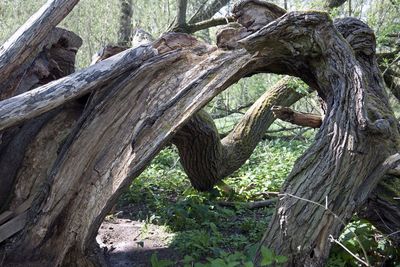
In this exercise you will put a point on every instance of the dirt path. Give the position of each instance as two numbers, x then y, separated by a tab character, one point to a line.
131	243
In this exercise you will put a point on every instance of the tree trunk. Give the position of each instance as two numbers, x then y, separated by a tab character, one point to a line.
358	138
125	24
133	113
206	159
53	62
99	166
28	41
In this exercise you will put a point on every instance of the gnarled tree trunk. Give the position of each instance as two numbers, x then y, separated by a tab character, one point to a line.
357	142
143	96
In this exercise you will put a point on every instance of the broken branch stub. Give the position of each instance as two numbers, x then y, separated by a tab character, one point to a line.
24	43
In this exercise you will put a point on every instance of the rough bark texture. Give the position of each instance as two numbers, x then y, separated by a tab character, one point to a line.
207	159
125	24
18	50
99	166
132	116
57	59
21	107
357	137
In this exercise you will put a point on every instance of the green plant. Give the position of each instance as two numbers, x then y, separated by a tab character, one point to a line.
155	262
380	250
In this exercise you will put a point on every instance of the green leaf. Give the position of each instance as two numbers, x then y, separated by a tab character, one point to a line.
267	256
188	259
280	259
218	263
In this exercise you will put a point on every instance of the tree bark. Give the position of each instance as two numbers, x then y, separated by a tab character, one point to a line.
206	159
298	118
358	137
125	24
99	166
18	50
49	96
56	60
129	119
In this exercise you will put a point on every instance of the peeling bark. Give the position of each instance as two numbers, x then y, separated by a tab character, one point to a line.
57	59
18	50
134	114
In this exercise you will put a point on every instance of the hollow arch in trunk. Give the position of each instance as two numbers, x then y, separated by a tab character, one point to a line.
137	111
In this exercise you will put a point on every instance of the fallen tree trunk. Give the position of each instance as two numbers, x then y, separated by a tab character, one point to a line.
80	202
18	50
130	119
53	62
49	96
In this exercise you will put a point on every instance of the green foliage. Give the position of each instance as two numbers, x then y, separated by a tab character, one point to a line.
208	234
203	227
258	175
155	262
381	252
236	259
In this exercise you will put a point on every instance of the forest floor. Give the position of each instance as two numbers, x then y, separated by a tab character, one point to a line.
126	244
162	221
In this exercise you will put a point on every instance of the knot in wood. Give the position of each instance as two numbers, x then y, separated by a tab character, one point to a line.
255	14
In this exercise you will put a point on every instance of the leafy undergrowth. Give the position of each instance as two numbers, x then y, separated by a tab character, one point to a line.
210	233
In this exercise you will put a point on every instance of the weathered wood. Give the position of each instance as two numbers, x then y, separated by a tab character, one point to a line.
5	216
133	120
298	118
353	140
13	226
54	61
47	97
137	113
207	159
25	41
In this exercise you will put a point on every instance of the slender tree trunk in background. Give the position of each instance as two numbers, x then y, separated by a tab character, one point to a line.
125	24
